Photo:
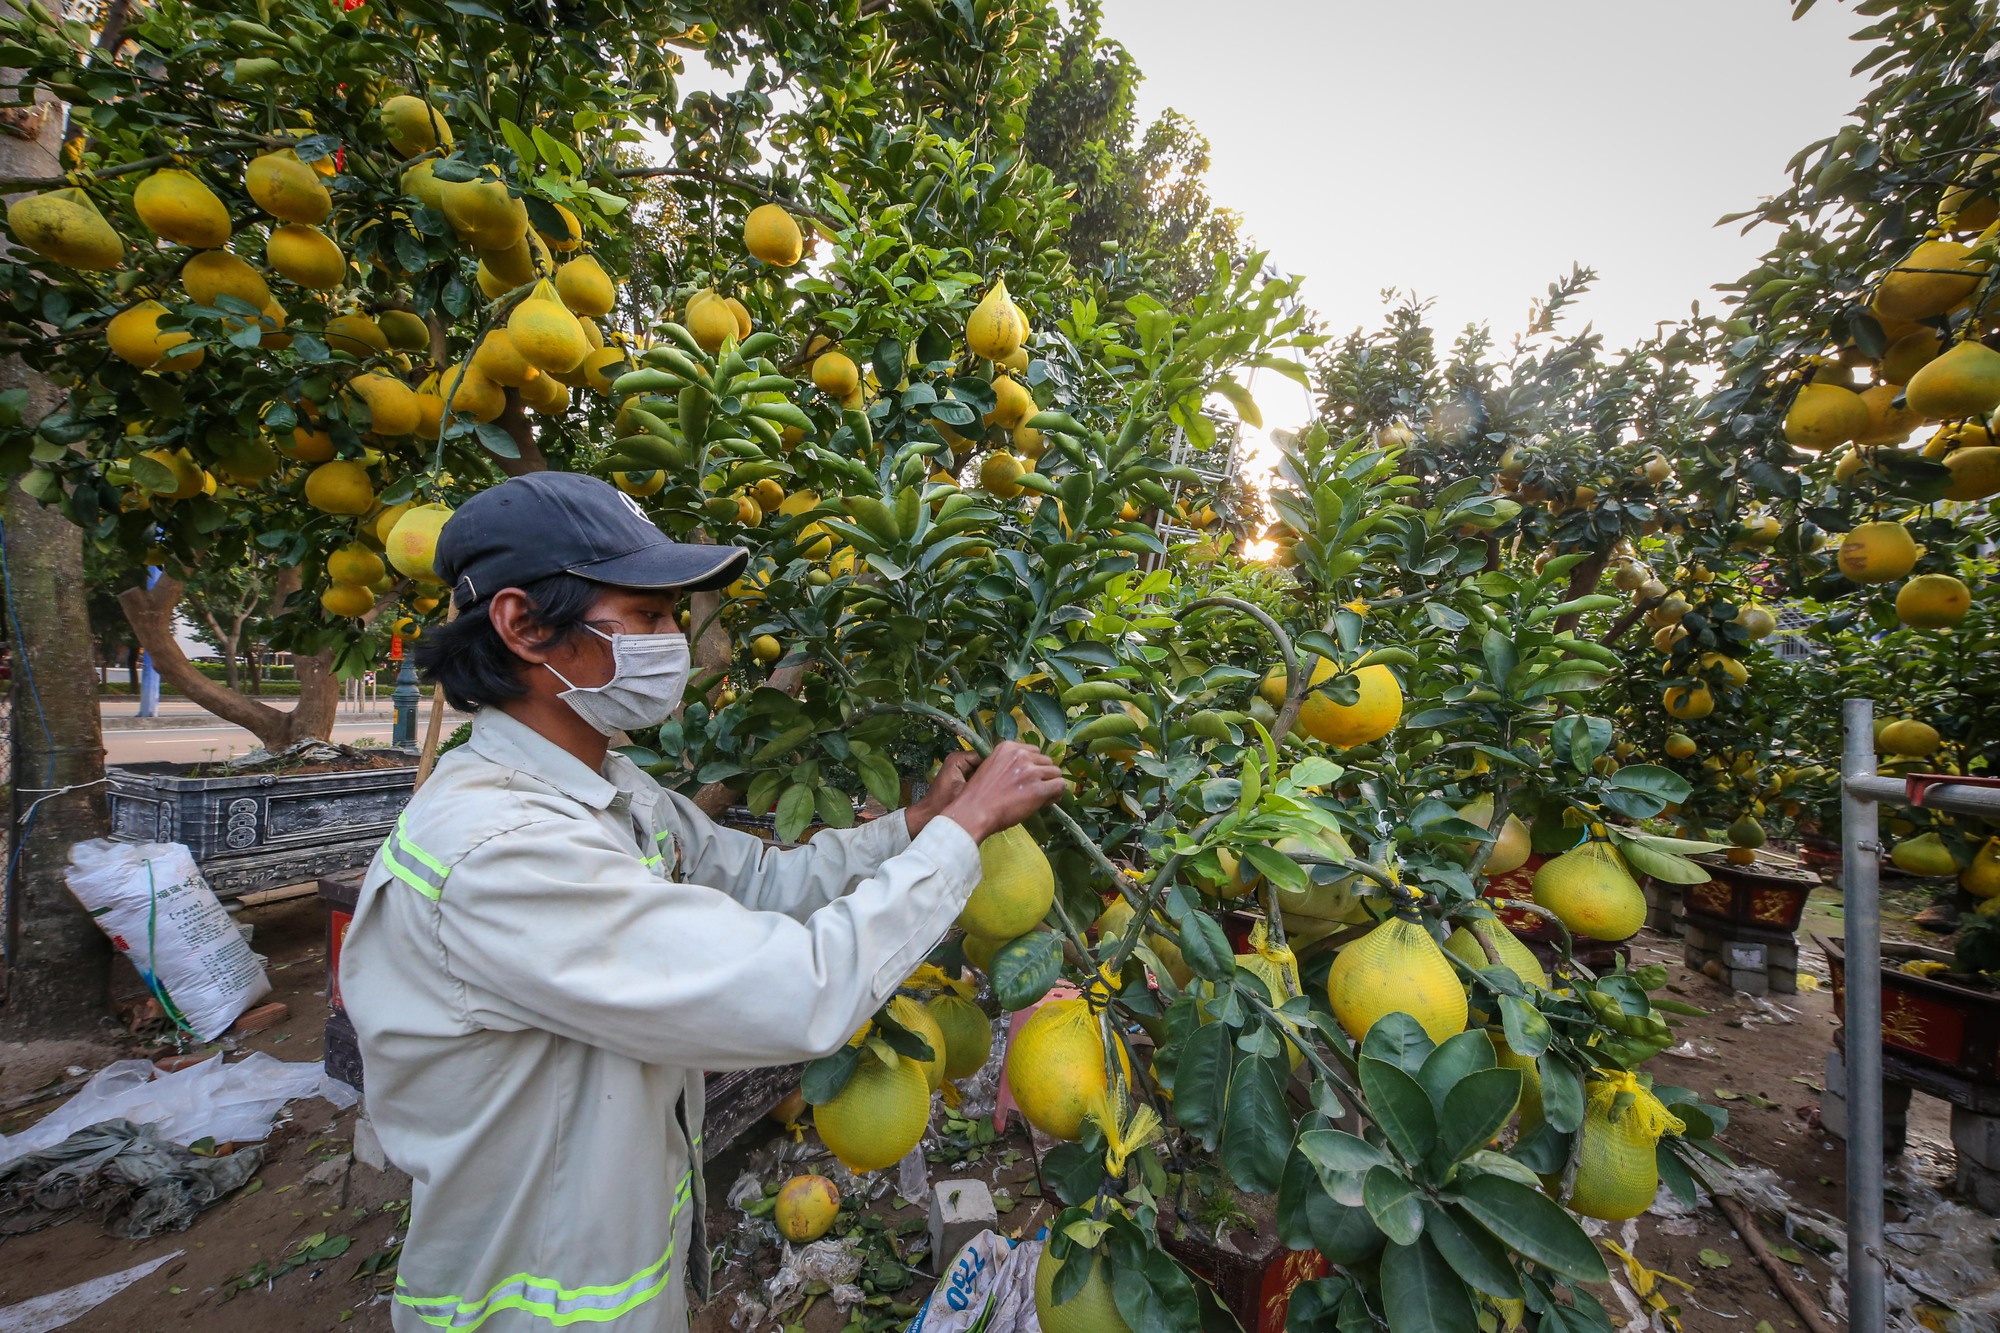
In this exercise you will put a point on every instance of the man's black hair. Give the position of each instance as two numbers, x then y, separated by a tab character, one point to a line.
476	668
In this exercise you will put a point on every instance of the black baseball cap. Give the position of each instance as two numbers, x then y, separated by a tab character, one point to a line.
544	523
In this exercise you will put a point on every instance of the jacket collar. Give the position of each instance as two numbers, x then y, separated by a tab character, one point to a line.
518	746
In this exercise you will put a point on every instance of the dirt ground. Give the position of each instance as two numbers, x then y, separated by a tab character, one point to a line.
1765	1062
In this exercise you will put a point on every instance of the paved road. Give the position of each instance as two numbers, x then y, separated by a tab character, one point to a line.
194	745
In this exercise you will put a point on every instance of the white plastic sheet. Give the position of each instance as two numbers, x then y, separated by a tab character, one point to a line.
230	1103
989	1287
59	1308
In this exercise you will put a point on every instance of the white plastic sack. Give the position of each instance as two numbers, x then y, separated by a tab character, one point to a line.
230	1103
152	901
989	1287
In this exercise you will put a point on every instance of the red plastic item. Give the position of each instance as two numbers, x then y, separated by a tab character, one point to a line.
1919	785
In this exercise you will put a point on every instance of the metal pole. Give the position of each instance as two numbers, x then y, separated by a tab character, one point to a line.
1860	870
405	697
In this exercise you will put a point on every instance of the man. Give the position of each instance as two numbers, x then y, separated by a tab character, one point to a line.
550	949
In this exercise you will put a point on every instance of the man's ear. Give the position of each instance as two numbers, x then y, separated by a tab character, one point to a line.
512	616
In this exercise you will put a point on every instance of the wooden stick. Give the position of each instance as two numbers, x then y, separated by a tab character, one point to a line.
1781	1275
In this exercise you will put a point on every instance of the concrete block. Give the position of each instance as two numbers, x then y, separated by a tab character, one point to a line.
1703	937
1783	957
1979	1186
1784	981
960	1210
1741	957
1977	1137
1895	1107
368	1144
1749	981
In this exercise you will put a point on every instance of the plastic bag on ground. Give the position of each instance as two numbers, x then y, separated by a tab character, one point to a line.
833	1262
230	1103
151	899
134	1183
58	1309
989	1286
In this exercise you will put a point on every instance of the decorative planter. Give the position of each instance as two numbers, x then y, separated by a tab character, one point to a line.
1931	1020
1821	855
1762	896
1255	1280
256	830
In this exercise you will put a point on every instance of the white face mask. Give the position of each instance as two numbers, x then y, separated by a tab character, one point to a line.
648	673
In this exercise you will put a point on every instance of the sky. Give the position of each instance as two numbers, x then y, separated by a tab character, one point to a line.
1472	151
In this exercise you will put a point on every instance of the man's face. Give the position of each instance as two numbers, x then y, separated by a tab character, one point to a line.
587	659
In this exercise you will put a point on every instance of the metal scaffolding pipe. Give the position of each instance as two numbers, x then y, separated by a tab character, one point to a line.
1860	871
1955	798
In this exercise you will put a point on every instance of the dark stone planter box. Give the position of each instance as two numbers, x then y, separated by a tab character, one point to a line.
1255	1280
1932	1020
258	830
1765	898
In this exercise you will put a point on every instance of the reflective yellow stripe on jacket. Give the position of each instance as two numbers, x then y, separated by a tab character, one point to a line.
546	1298
411	863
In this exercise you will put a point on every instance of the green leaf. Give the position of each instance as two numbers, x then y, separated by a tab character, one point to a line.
836	810
1025	968
1713	1259
1662	866
1201	1082
1206	948
1498	651
1394	1203
1460	1055
1527	1031
795	811
1402	1108
1562	1093
1653	780
1421	1293
1475	1111
1533	1225
1400	1040
1257	1127
1472	1252
878	775
1310	1218
1334	1151
822	1079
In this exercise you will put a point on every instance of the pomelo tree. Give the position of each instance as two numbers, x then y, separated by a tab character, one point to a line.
852	337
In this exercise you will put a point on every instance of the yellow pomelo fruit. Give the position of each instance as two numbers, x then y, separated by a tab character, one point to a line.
1981	879
546	333
186	472
1272	688
979	950
1975	473
1511	849
306	255
1395	968
1887	423
287	188
585	287
347	599
592	334
392	404
1909	738
1369	718
1111	924
216	273
471	393
1688	703
1530	1105
1091	1310
498	359
243	461
1963	382
1666	636
1280	984
640	483
1924	854
768	494
1824	415
1029	442
1618	1169
413	125
340	487
420	183
134	336
878	1117
599	369
546	394
508	268
354	563
835	375
430	408
64	227
1680	746
770	234
1879	552
484	213
1908	355
356	334
1729	666
412	543
806	1208
968	1033
1237	877
404	330
1757	622
710	320
567	241
1055	1066
1933	601
766	649
1001	474
917	1019
1016	887
383	521
1591	893
178	207
1018	362
1012	403
309	445
1935	276
995	329
744	327
1464	945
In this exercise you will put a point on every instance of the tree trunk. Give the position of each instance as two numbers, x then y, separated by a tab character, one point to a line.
151	613
58	962
1583	579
